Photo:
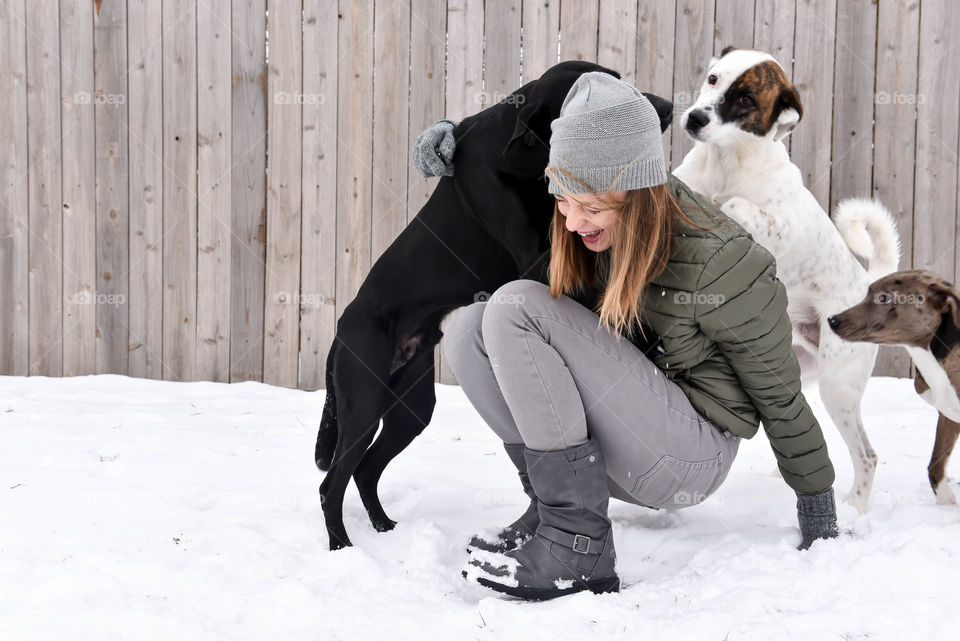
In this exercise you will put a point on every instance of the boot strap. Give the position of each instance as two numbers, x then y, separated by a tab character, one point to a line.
576	542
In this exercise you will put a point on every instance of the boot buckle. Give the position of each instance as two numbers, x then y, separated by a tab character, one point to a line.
581	544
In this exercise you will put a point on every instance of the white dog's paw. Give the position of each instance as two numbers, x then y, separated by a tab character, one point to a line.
946	495
859	501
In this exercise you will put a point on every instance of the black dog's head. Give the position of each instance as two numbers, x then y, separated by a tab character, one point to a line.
538	103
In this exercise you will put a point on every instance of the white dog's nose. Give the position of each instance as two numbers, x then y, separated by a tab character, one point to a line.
696	119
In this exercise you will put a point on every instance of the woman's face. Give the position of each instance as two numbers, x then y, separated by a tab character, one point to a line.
591	219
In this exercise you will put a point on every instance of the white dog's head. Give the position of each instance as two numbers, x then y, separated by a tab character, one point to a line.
745	96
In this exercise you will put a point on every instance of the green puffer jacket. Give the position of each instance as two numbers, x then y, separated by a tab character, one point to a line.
721	313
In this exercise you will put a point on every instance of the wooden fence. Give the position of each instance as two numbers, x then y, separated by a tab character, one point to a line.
194	189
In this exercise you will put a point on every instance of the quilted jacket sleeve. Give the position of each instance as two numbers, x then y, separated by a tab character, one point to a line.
742	307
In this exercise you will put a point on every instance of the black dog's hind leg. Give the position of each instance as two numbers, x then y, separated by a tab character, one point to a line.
409	409
327	434
363	367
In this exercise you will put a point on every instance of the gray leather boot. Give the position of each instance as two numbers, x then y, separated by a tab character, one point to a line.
522	529
572	549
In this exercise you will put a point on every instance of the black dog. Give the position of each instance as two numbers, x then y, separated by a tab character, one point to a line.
481	228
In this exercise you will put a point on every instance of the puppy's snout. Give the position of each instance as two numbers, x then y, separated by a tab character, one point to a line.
696	119
834	321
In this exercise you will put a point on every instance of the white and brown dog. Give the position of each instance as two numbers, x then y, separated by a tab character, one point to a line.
921	311
744	109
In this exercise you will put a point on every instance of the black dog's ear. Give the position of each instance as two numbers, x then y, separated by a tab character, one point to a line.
788	111
528	150
664	109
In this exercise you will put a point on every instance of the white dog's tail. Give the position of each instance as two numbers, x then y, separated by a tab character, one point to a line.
870	232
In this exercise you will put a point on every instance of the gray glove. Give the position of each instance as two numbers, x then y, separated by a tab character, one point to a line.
817	514
433	151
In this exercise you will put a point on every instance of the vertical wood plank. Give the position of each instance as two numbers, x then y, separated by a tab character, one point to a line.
813	76
464	58
214	182
464	87
14	238
734	25
391	153
656	23
318	272
179	190
112	214
427	37
853	102
145	139
541	37
692	53
354	148
895	114
617	39
501	55
773	31
281	308
44	188
248	191
935	181
579	21
79	98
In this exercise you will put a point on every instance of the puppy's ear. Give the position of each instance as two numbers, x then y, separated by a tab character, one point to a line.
727	50
528	150
788	112
950	300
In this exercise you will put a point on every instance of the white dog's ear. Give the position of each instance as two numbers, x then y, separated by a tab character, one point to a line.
788	110
786	121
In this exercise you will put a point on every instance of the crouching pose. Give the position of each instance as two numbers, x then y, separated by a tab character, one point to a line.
584	412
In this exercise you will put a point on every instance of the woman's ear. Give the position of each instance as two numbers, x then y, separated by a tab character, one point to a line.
528	150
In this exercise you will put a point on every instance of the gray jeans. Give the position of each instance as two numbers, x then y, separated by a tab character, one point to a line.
542	371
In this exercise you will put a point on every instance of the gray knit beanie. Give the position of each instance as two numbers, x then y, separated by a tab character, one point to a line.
607	135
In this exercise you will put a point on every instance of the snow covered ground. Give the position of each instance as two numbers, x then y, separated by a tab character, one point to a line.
133	509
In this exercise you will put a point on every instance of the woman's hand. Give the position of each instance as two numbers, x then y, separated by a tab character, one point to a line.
817	514
433	151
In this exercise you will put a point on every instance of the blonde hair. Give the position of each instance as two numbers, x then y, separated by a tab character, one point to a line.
639	252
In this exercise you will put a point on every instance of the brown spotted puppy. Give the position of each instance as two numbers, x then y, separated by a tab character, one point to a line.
744	109
921	311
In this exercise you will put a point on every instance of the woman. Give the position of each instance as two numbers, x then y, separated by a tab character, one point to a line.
583	413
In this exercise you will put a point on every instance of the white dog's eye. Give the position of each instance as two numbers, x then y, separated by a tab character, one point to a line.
712	79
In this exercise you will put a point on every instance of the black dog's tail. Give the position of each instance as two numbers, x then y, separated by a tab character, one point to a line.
327	435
